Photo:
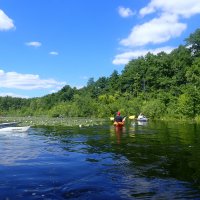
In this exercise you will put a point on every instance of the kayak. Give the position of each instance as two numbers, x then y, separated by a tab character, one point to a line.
142	119
2	125
118	124
15	129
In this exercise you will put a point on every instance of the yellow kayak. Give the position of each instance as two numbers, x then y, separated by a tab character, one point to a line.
118	124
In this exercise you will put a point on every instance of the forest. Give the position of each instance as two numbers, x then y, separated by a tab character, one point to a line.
162	86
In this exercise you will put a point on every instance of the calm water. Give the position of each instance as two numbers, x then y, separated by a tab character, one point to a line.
141	161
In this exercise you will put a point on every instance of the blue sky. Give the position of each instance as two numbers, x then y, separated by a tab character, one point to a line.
46	44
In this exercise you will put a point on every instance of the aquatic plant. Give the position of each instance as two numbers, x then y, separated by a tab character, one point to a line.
48	121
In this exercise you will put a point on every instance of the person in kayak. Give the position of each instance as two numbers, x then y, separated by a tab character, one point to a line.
118	117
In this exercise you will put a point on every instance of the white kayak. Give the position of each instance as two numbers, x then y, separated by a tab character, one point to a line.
15	129
142	118
2	125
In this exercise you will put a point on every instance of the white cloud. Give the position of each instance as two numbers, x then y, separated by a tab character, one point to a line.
125	12
182	8
79	86
156	31
53	91
34	44
54	53
124	58
56	89
27	81
165	24
5	22
12	95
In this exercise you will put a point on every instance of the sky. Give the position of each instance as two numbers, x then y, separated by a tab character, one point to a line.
47	44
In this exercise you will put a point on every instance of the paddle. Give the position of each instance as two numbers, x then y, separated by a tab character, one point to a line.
130	117
112	118
124	119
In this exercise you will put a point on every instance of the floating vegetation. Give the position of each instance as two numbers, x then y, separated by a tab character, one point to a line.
48	121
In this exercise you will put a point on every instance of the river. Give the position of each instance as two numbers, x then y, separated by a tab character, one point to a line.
154	160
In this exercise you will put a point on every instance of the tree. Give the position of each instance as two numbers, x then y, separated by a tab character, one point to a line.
66	93
90	82
113	82
193	73
193	43
153	108
101	85
180	61
132	76
191	100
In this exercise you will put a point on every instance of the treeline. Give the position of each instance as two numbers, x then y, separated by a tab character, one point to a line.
162	85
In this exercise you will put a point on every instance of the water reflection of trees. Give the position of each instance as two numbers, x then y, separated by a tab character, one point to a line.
158	149
165	150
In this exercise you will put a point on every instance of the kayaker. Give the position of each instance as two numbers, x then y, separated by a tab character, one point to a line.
118	117
141	115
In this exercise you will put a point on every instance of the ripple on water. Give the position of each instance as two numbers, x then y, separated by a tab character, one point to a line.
82	192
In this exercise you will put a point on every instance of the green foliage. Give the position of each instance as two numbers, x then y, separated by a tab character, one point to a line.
193	73
153	108
181	61
193	94
58	110
114	82
193	42
66	93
